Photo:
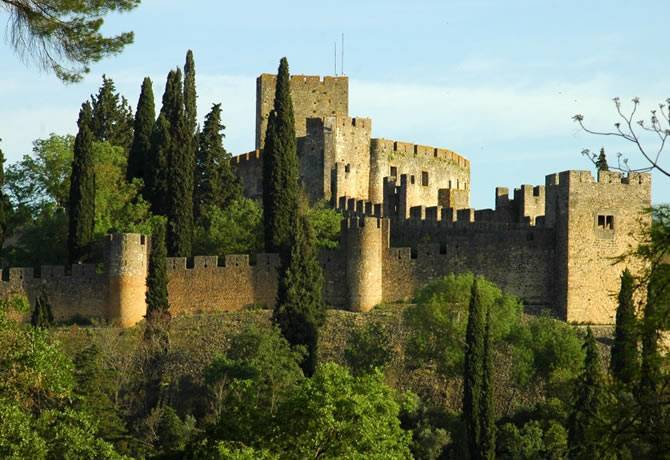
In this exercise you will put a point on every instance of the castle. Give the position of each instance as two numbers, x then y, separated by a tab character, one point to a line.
406	221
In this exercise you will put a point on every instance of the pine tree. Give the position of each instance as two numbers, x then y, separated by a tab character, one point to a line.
42	315
299	310
624	362
82	190
112	117
215	182
475	405
280	169
145	118
156	167
585	417
180	170
601	162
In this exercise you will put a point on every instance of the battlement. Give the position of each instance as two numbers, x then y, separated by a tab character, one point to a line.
228	261
565	178
345	122
307	79
254	155
361	222
407	149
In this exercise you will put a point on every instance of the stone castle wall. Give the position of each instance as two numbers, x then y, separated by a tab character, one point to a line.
312	96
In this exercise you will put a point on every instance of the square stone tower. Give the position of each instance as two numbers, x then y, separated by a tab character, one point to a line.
596	222
312	96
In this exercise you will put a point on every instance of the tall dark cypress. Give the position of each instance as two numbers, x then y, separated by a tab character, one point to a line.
473	374
299	310
488	422
181	166
42	315
112	117
145	118
158	306
156	166
280	169
5	205
82	191
215	182
624	361
585	416
190	96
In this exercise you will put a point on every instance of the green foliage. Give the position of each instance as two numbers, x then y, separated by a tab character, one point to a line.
119	204
532	441
37	418
180	170
368	348
5	205
280	170
235	229
584	435
546	349
326	223
42	316
82	191
601	162
64	36
625	360
41	181
190	96
246	384
158	307
173	432
299	311
437	322
477	413
145	117
215	182
156	167
336	415
112	117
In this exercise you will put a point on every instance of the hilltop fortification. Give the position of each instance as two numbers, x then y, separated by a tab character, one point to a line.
406	220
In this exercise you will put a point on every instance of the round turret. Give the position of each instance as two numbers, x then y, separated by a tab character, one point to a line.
363	238
127	262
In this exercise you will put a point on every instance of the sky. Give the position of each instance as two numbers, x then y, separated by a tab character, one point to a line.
497	82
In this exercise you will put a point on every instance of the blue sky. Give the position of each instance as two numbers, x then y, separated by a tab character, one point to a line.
495	81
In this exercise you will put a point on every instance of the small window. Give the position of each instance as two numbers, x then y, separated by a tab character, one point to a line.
394	171
347	168
411	179
424	178
606	222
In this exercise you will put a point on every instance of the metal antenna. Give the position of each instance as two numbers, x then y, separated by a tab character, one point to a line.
335	56
342	58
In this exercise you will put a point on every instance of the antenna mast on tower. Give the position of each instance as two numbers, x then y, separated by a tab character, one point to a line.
342	58
335	57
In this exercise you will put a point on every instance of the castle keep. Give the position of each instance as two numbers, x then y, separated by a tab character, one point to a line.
406	220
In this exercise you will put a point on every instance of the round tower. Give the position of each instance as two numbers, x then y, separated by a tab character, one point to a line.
364	243
127	264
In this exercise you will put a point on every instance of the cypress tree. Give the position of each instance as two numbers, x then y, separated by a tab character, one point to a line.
42	316
624	358
5	204
215	182
180	171
145	118
601	162
190	96
488	421
280	169
82	191
299	310
112	117
584	419
475	404
156	167
158	306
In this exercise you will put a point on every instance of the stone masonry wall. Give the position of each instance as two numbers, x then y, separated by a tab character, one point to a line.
249	168
312	96
444	169
596	222
519	259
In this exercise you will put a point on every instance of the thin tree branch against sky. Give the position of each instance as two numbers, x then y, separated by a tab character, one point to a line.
496	82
